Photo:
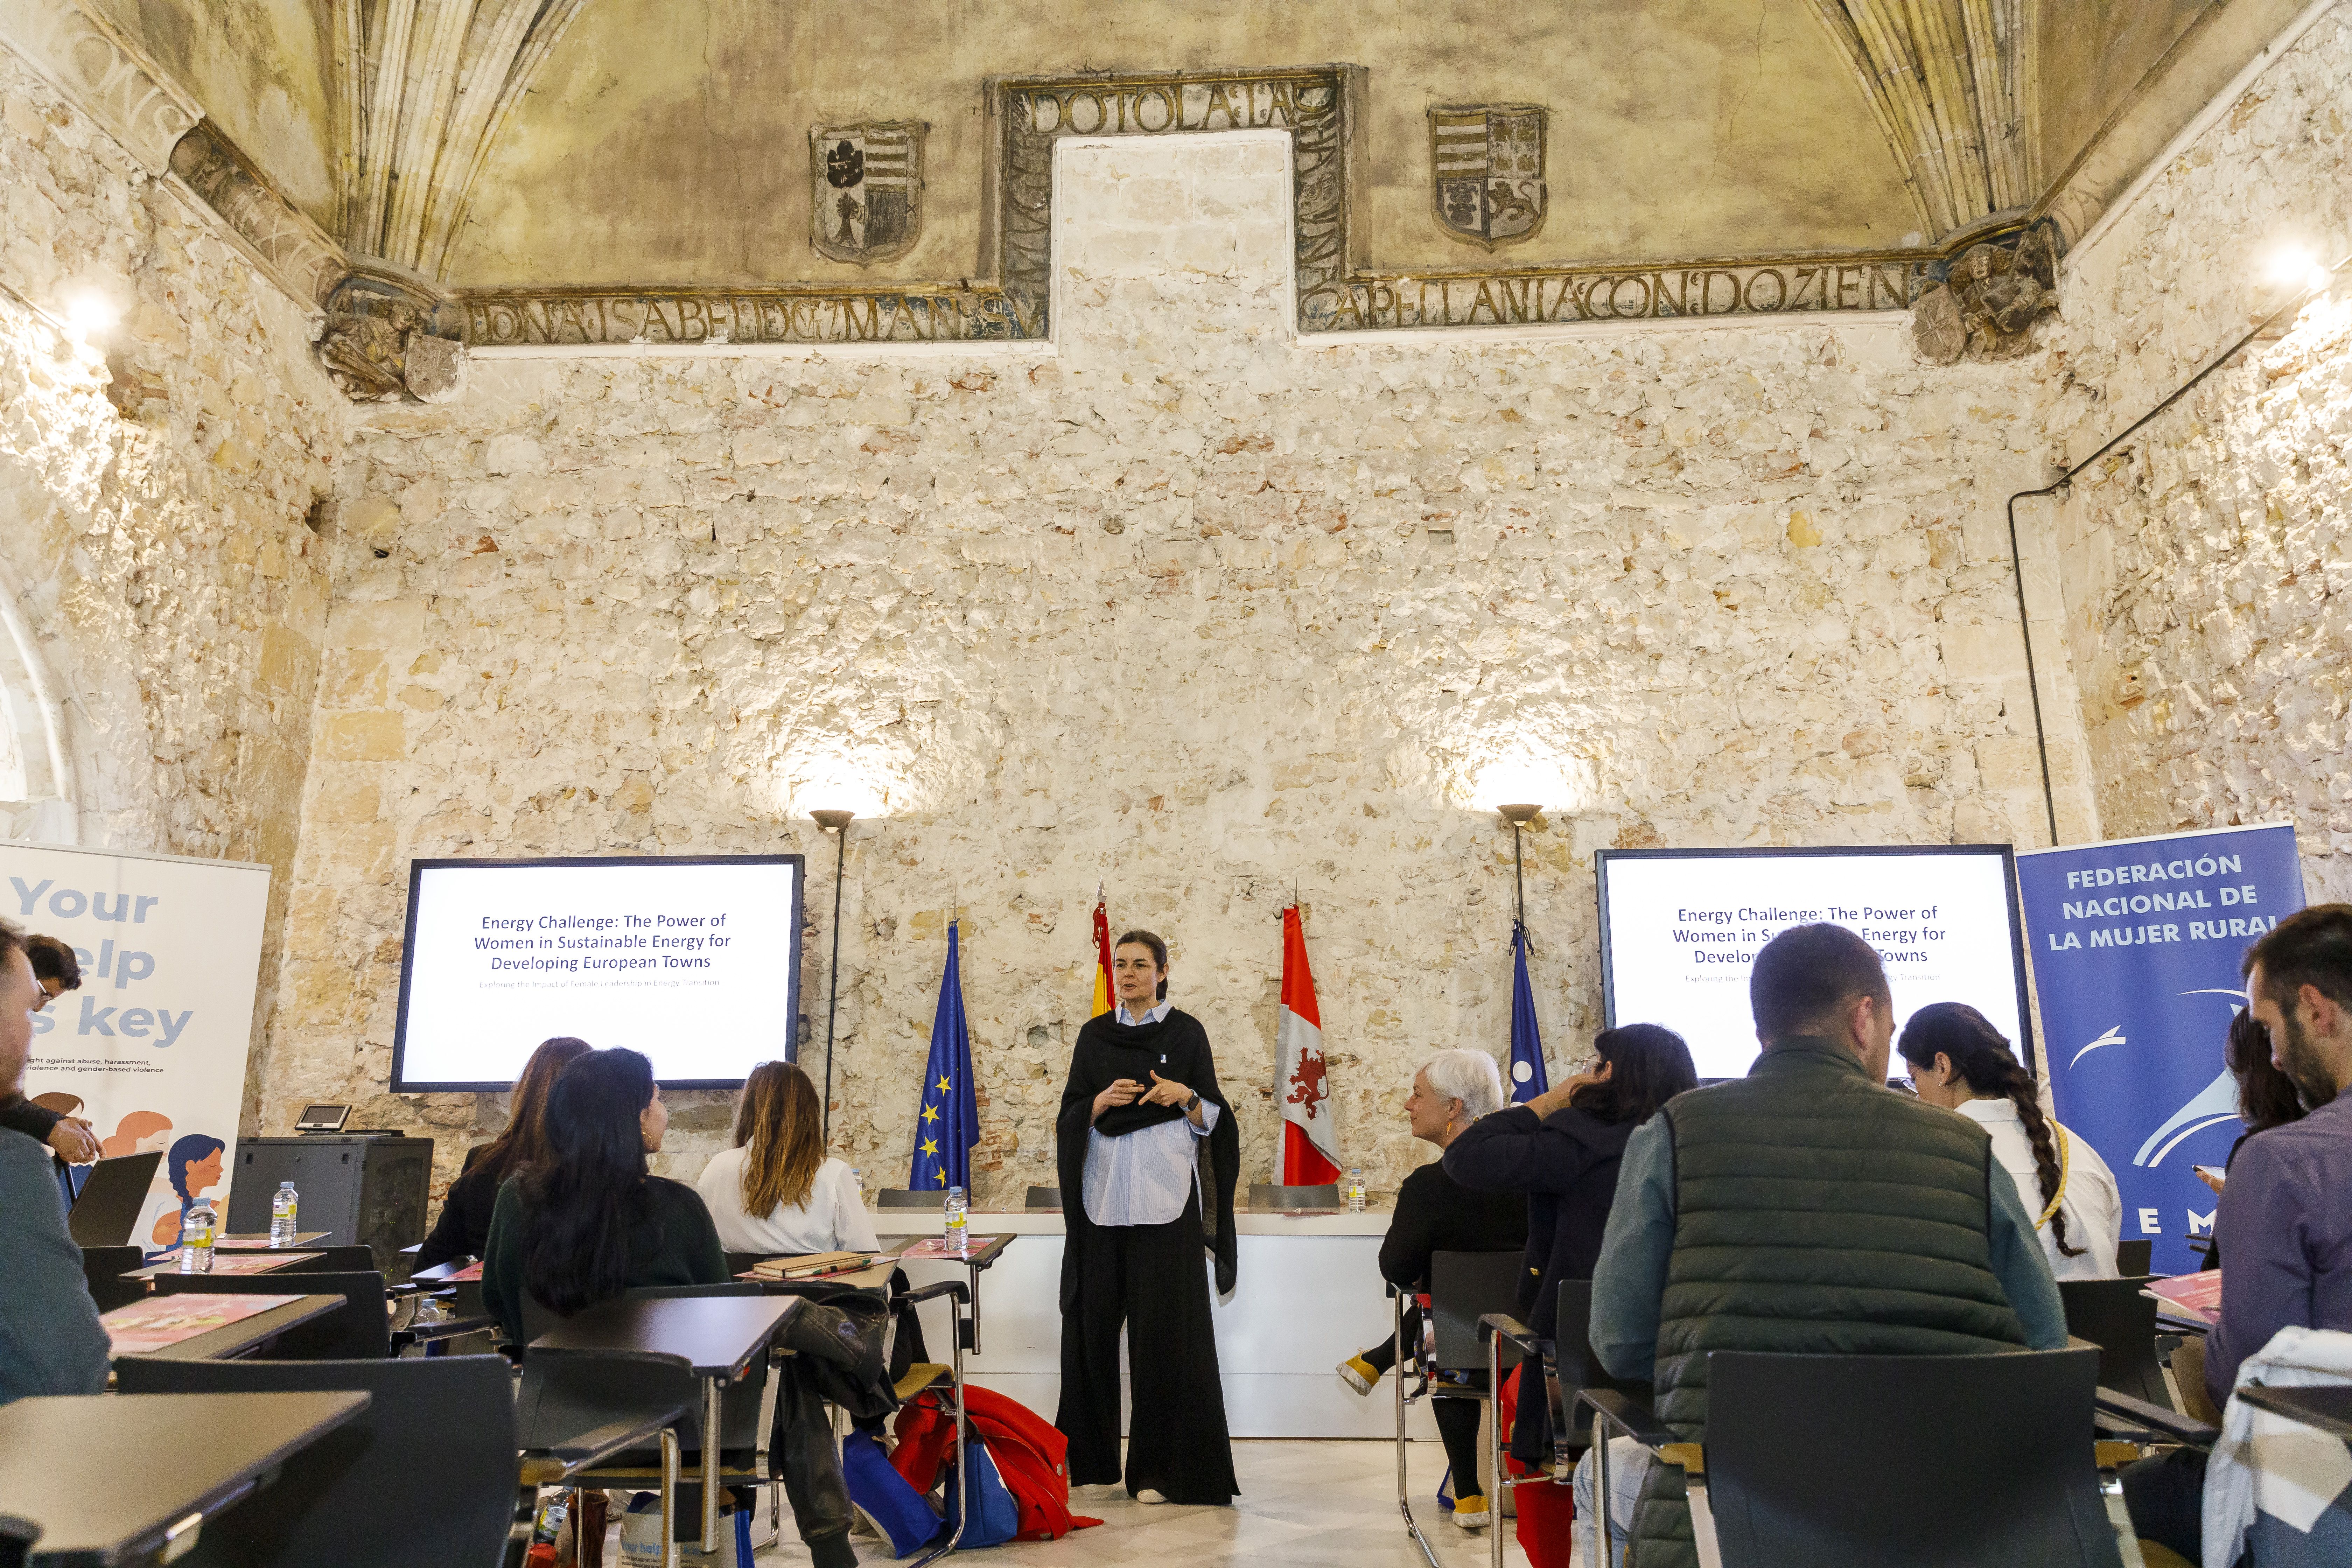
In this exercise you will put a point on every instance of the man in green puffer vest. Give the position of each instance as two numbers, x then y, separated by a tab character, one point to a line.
1807	1207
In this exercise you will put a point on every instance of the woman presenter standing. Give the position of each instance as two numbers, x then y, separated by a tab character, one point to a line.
1148	1142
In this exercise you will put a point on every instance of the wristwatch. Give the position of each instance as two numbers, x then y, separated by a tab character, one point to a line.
1192	1104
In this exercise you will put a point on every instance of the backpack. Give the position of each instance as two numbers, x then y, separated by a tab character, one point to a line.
1030	1455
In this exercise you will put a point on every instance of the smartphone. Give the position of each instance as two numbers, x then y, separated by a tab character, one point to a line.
2215	1171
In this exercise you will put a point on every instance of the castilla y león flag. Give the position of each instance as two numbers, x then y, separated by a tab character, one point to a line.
1102	957
1310	1129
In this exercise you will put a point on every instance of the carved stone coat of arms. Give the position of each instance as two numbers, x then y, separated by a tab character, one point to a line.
866	185
1486	168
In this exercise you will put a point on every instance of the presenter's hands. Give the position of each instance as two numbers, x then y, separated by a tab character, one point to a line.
1164	1091
73	1141
1124	1092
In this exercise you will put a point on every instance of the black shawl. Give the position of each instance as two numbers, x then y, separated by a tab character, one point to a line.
1177	1049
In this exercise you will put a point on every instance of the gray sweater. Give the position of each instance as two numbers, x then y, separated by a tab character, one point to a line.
50	1339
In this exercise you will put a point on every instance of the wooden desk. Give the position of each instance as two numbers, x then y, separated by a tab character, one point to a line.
115	1478
716	1338
2327	1408
247	1335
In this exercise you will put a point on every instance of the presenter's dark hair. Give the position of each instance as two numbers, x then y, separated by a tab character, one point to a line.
1648	1066
1158	955
1802	975
780	1128
1967	1038
12	940
2310	947
53	959
524	1142
576	1248
2266	1097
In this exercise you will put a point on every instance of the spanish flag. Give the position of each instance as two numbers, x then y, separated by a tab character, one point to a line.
1103	993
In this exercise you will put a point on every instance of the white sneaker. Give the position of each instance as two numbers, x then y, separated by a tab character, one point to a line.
1149	1494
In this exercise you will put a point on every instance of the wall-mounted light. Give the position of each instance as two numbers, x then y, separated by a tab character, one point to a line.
835	820
2296	267
91	313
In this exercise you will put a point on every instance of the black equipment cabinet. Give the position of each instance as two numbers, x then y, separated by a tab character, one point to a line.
361	1188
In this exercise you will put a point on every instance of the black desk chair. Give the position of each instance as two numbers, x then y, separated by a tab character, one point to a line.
2114	1316
565	1396
907	1198
1044	1200
102	1269
333	1260
1266	1195
16	1537
425	1474
2135	1259
1464	1287
360	1331
1978	1461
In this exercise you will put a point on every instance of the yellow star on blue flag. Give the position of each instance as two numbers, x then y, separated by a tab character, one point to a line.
949	1110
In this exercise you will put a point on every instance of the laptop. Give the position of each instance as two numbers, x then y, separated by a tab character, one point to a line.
111	1196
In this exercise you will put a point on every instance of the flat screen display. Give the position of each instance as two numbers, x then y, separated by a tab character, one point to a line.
694	961
1679	929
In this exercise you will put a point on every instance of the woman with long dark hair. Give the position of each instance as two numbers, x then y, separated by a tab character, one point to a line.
1562	1150
776	1192
464	1228
587	1222
1148	1153
2266	1099
1959	1061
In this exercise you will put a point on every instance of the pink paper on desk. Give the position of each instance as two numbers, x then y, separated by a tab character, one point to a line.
2195	1296
162	1321
245	1262
471	1271
247	1244
939	1247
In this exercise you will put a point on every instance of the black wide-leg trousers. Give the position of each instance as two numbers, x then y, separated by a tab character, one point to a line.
1154	1279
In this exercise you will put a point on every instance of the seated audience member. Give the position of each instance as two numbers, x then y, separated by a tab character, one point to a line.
1741	1220
68	1137
2286	1206
463	1227
588	1222
1561	1149
1960	1062
776	1192
50	1339
1435	1213
2266	1099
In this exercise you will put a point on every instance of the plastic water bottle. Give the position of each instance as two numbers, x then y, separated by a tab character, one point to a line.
281	1214
197	1233
1355	1192
959	1214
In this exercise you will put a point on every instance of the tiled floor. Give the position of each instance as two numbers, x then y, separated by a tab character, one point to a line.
1312	1504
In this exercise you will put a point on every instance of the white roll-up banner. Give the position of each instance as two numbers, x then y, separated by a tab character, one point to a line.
150	1050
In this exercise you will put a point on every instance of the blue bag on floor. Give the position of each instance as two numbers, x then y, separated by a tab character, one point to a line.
995	1516
879	1490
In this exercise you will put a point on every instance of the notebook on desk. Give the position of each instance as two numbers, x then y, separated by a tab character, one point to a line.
807	1266
107	1209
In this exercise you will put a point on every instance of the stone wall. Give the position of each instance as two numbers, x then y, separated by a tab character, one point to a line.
2203	561
1184	607
160	566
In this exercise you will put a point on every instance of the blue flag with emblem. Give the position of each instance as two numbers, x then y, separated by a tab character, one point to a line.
1528	1075
948	1125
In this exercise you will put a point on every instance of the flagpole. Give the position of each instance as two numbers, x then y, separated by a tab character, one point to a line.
1519	816
837	823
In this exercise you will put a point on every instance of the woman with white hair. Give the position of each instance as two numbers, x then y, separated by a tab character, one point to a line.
1435	1213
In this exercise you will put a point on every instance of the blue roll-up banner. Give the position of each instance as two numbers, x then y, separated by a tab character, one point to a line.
2136	946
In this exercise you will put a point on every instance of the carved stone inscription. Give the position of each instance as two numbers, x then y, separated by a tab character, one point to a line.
1030	114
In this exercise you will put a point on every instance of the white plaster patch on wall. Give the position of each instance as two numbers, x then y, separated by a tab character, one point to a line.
2203	562
1187	609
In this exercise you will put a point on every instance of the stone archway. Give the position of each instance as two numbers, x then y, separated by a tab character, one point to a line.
40	797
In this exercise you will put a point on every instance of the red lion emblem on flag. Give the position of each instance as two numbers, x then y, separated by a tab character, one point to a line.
1307	1085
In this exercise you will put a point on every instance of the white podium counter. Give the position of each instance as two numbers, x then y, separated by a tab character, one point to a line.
1307	1294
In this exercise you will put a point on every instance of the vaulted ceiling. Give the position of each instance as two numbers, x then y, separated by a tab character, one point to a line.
545	142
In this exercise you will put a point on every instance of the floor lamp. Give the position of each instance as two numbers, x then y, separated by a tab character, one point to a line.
836	823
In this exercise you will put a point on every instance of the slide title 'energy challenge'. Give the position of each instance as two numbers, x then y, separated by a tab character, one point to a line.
581	943
1734	935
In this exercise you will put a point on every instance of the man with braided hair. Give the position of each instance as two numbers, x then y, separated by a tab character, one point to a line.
1960	1062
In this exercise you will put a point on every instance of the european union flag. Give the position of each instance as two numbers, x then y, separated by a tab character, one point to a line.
1528	1075
949	1123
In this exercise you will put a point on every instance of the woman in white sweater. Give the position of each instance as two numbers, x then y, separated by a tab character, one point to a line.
1959	1061
776	1193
